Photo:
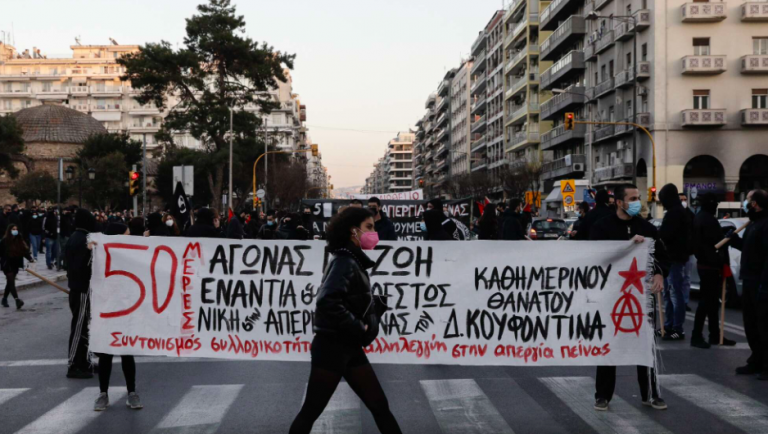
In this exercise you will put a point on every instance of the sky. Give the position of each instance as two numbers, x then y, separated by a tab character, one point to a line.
361	65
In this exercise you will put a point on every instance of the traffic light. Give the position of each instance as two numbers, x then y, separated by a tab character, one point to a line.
652	194
133	183
314	150
421	183
331	187
570	121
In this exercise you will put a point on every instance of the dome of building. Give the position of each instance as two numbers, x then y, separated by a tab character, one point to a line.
57	124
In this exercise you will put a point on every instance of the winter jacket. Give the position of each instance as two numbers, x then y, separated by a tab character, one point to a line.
434	219
677	227
612	228
235	229
204	226
78	258
385	228
267	232
10	263
50	225
66	225
513	226
754	249
593	216
488	230
34	225
156	226
706	234
344	301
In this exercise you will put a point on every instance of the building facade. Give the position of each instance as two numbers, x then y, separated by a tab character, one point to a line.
461	105
394	172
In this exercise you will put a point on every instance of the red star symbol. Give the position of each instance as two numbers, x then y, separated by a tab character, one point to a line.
632	277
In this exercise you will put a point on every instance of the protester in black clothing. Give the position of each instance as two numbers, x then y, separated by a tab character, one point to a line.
268	229
235	229
625	225
34	230
754	276
501	208
173	228
513	227
205	226
291	228
384	226
601	210
5	219
432	226
13	250
253	225
155	225
488	227
135	226
709	263
79	279
344	323
582	213
675	233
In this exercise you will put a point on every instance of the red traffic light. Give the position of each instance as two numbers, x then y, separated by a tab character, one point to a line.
569	115
653	189
134	175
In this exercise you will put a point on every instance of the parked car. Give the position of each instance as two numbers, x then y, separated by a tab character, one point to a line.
548	229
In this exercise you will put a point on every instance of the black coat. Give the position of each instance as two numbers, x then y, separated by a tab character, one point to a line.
267	232
202	230
754	250
612	228
593	216
344	301
67	225
78	258
50	225
9	262
513	226
385	228
34	225
706	234
677	227
488	229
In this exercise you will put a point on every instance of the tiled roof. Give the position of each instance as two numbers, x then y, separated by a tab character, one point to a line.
57	124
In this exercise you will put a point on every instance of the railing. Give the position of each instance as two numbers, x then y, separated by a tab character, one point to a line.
105	107
517	111
518	57
520	26
604	41
604	87
754	11
703	117
711	64
605	132
625	77
107	89
479	163
479	61
548	10
79	89
703	12
522	136
563	163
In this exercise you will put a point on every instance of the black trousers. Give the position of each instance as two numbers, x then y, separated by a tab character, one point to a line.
605	383
709	305
105	371
79	304
10	286
755	313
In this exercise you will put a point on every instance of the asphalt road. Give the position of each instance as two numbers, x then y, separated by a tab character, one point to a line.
203	396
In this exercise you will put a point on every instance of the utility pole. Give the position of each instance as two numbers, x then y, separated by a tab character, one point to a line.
634	100
143	178
231	137
135	198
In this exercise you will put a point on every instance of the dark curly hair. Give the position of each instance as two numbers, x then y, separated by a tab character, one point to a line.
339	229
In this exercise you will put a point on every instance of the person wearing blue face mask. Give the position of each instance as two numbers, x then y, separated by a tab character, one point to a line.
624	225
35	231
268	229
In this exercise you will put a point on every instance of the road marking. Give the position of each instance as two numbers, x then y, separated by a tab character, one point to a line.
578	392
201	410
733	407
73	414
8	394
460	407
732	328
341	415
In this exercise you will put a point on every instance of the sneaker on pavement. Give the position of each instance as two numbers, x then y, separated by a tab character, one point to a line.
700	343
656	404
673	336
102	402
747	370
19	304
5	303
134	402
76	373
601	404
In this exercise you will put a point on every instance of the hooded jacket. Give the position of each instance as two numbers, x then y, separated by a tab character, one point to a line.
156	227
385	228
676	230
77	253
50	225
235	229
203	227
513	226
433	219
600	211
707	232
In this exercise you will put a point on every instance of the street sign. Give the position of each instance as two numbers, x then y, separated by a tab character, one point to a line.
568	191
186	176
260	193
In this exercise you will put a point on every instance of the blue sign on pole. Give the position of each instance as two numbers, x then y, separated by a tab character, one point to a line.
589	196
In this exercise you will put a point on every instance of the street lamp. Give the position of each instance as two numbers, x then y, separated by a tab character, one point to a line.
592	16
70	174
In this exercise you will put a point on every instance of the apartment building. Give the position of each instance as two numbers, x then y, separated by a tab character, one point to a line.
459	123
522	68
394	172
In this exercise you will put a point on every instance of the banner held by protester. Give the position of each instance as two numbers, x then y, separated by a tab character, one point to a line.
479	303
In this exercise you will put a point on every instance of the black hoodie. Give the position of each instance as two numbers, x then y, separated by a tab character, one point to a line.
203	227
600	211
706	234
513	226
433	219
77	253
676	230
156	226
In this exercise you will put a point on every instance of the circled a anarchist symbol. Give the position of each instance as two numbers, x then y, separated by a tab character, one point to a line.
627	313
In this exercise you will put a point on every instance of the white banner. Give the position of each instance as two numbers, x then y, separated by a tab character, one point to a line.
403	195
477	303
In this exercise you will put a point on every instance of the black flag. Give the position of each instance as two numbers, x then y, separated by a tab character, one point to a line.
180	208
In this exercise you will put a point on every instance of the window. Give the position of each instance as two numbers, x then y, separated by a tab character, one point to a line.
611	115
759	45
759	98
629	60
602	72
701	46
629	109
610	69
645	4
629	10
700	99
644	104
644	52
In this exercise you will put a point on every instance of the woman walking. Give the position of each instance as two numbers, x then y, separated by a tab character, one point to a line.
13	250
345	321
127	362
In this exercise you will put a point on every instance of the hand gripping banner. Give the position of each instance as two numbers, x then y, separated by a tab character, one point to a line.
476	303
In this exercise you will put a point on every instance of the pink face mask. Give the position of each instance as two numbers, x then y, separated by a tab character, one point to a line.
369	240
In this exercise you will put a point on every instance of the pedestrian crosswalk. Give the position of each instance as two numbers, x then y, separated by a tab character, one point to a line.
449	406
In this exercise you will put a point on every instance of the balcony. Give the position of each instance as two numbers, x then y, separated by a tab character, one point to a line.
442	150
605	87
517	31
617	171
559	136
143	110
16	93
604	41
478	104
83	108
754	64
516	86
517	112
590	93
704	118
442	134
441	164
478	125
624	30
80	90
573	28
568	165
710	12
53	94
704	65
563	68
106	107
589	52
478	85
754	12
522	138
144	127
625	78
560	102
477	142
107	91
442	105
754	117
643	119
441	120
643	70
444	87
604	133
479	164
479	63
558	10
479	43
431	100
520	56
